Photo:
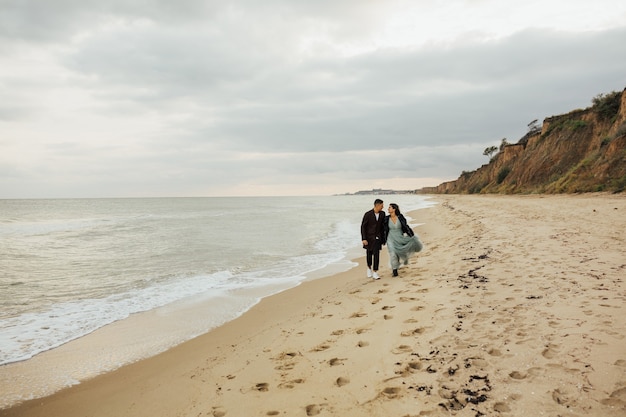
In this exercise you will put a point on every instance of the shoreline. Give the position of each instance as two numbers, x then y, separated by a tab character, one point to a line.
112	345
142	335
218	338
516	306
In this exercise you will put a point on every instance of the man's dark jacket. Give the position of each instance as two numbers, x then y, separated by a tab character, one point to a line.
373	230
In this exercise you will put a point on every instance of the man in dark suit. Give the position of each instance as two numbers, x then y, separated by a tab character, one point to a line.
373	236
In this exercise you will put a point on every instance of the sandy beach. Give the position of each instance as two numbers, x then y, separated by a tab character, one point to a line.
516	307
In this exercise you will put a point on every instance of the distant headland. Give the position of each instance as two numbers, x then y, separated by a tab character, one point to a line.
380	191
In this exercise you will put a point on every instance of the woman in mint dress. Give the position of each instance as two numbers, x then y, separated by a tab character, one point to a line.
401	241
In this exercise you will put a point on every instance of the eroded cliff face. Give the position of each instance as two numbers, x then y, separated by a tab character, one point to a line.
582	151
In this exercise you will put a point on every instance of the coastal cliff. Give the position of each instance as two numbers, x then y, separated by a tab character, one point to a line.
581	151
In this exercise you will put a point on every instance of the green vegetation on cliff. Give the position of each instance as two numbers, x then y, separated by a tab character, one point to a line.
581	151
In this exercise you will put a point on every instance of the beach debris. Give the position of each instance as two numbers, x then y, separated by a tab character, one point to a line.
479	257
472	277
472	393
423	388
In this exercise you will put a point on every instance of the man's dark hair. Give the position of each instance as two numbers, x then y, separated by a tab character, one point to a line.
378	201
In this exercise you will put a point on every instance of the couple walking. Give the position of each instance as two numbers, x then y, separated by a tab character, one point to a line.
377	229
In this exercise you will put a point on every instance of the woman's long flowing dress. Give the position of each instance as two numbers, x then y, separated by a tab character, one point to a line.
401	247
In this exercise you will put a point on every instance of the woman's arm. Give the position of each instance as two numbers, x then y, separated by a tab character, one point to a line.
405	226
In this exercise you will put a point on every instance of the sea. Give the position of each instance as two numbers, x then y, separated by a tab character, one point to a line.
72	267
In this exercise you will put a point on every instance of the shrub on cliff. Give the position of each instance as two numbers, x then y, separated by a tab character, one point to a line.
606	106
502	174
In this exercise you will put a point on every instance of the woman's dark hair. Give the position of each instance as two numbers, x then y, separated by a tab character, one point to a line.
396	208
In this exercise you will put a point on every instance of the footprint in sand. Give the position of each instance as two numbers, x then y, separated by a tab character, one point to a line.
337	333
358	314
291	384
262	387
286	367
336	361
286	355
494	352
314	409
416	366
387	317
362	344
410	368
413	332
218	412
388	307
272	413
616	399
391	392
501	407
550	352
554	324
517	375
563	398
341	381
561	368
401	349
320	348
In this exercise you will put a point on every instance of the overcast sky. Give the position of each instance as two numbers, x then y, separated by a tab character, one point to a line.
124	98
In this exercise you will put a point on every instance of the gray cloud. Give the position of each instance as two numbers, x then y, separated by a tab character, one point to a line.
181	95
371	101
59	20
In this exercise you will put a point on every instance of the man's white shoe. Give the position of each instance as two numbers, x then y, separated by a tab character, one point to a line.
375	275
369	273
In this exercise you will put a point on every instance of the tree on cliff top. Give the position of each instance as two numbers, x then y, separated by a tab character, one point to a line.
490	151
533	127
